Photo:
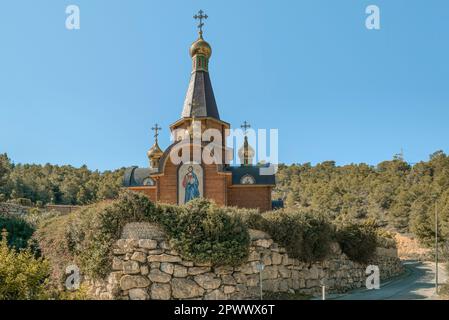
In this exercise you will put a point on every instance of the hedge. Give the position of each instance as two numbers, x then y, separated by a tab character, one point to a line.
305	235
200	230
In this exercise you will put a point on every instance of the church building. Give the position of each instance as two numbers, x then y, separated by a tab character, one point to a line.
166	181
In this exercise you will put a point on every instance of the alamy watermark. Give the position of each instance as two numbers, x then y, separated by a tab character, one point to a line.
373	279
372	22
73	280
195	145
73	19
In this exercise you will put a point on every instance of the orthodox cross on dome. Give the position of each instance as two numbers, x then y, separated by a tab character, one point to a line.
200	16
156	130
245	126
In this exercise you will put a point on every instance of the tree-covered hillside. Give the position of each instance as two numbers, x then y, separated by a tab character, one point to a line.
57	184
394	193
398	195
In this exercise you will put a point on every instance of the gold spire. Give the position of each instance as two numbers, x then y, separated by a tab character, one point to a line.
246	152
200	46
155	152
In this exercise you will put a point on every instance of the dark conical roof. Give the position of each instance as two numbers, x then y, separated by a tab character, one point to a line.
200	99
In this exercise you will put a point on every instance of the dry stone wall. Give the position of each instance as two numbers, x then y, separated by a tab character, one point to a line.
11	208
145	266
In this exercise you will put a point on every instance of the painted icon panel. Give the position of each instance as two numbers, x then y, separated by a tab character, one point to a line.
190	182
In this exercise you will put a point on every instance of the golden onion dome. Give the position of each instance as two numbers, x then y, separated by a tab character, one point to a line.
246	151
201	46
155	152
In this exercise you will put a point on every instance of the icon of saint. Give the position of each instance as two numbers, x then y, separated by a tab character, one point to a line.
190	183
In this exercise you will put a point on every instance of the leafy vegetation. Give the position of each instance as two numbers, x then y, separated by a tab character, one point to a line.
399	196
201	231
305	235
28	184
19	229
358	241
22	275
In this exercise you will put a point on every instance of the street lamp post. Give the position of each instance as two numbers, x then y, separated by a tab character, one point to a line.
323	289
436	247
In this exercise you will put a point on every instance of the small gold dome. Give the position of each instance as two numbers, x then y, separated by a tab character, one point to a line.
246	152
200	46
155	152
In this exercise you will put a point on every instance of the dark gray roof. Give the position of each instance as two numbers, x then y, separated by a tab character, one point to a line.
254	171
277	204
200	99
135	177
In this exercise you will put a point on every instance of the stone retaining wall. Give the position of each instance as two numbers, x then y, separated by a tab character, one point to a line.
11	208
146	267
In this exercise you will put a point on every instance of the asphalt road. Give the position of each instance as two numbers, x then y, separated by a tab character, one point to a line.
417	283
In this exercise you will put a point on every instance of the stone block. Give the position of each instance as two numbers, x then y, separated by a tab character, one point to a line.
148	244
179	271
138	294
229	289
131	267
276	258
185	289
164	258
159	276
117	264
160	291
193	271
167	267
129	282
264	243
208	281
215	295
139	256
228	279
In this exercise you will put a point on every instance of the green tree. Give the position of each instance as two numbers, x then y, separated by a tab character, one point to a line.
22	276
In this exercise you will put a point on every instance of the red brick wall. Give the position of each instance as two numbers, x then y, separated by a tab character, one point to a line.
254	197
217	186
150	192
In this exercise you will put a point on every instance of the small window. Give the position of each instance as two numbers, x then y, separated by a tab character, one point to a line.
247	179
148	182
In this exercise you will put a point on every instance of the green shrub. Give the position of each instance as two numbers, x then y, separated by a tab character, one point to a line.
385	239
305	235
206	233
20	230
22	276
358	241
52	239
200	230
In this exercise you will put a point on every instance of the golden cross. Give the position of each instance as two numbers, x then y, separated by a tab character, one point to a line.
156	130
245	126
200	17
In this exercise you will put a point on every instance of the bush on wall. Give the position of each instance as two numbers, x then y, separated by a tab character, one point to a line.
358	241
305	235
201	231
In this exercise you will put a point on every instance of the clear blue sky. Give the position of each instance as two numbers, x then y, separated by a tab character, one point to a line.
335	90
